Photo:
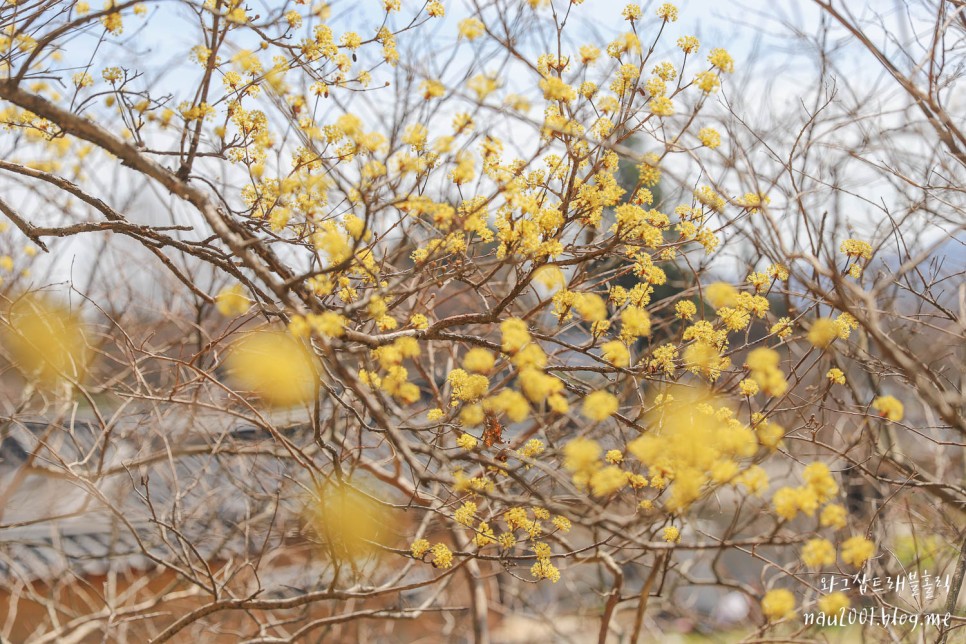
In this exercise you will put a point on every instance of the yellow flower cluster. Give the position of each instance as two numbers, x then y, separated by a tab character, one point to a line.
544	569
819	488
857	248
467	442
275	366
824	332
600	405
763	365
442	556
465	514
778	604
458	194
834	603
468	387
833	516
889	407
709	137
857	550
231	301
818	552
687	444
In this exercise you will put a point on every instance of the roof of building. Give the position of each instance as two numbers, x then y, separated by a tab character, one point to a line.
80	499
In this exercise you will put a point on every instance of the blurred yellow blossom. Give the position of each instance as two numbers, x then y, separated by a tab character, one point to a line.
857	550
231	301
46	340
889	407
777	604
275	366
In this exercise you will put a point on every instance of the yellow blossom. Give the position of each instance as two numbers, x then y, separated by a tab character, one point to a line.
635	322
722	60
551	277
833	516
464	515
442	556
707	82
834	603
631	12
590	306
275	366
616	353
889	407
721	294
46	340
112	21
857	248
857	550
479	360
770	434
515	334
614	456
782	328
467	442
835	376
470	28
533	447
661	106
846	323
685	309
82	79
468	387
510	402
544	569
351	40
607	480
818	552
789	501
419	548
554	89
581	454
748	387
600	405
709	137
823	333
820	480
419	321
754	479
777	604
688	44
667	12
231	301
589	54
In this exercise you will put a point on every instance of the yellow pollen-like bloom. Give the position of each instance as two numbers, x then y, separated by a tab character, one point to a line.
600	405
231	301
274	366
46	341
778	604
834	603
857	550
823	333
818	552
889	407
